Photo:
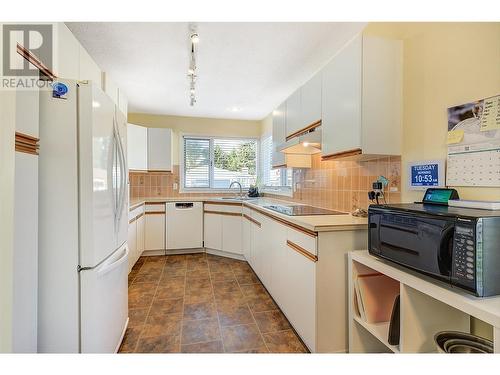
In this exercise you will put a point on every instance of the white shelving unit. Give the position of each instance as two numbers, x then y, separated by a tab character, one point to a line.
426	307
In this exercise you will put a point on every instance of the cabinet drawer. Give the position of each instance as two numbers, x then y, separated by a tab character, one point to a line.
154	207
301	241
223	207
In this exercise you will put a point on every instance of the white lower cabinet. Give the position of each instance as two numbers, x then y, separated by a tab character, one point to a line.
140	236
223	228
246	233
231	234
132	243
212	231
299	276
154	231
276	254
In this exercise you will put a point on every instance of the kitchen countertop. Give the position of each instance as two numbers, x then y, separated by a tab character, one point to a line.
316	223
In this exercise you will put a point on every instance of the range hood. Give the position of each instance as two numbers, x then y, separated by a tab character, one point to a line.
307	143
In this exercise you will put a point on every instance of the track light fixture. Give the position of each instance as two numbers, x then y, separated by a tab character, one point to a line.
194	40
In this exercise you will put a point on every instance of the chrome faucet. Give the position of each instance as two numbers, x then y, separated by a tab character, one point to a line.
241	189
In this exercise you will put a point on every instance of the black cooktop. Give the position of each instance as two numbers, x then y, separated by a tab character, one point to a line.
302	210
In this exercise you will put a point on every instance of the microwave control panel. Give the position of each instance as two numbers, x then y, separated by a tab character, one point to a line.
464	257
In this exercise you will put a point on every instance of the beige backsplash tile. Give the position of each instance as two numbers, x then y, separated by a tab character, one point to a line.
338	185
344	185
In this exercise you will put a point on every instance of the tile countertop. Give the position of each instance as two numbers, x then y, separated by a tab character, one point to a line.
316	223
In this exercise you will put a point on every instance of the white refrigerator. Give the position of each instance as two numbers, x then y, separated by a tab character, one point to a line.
83	219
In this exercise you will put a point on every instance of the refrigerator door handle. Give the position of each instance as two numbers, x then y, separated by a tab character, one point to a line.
114	171
123	177
110	265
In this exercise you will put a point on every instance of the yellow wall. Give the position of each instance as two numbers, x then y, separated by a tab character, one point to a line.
445	64
196	125
266	125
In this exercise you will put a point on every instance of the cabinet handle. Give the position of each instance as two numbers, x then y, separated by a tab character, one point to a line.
252	220
222	213
301	251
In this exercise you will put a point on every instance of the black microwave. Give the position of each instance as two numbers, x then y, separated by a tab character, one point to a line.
459	246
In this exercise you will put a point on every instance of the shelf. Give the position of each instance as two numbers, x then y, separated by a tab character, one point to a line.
486	309
379	331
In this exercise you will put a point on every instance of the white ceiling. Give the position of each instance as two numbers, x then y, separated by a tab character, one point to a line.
252	67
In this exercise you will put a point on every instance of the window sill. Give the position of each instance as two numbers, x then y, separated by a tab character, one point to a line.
287	192
211	191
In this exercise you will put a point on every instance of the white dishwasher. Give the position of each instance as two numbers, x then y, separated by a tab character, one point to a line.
184	225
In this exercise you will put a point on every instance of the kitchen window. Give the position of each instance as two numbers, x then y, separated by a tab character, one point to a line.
212	163
274	180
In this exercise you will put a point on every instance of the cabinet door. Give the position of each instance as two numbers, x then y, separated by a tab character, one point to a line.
66	64
310	101
137	147
89	69
341	101
160	149
110	87
279	267
293	118
231	234
140	236
132	244
154	232
279	134
212	231
299	303
246	237
122	102
256	244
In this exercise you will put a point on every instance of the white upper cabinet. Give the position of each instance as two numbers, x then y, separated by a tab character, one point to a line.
110	87
279	134
341	117
67	51
361	100
293	114
88	70
122	102
160	149
137	147
310	101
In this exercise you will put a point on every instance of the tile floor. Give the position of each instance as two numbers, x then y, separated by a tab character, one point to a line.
201	303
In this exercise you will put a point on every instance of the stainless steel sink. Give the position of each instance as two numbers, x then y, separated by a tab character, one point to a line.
237	198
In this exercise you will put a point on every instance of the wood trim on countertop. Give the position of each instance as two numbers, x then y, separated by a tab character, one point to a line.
224	203
285	222
278	166
154	213
153	203
223	213
136	218
342	154
252	220
301	250
26	143
309	127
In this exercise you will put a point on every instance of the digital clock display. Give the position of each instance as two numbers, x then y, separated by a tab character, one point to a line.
425	175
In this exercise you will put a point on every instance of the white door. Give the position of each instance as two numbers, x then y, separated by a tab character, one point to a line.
132	244
104	304
97	160
212	231
137	147
231	234
246	236
154	231
341	100
160	149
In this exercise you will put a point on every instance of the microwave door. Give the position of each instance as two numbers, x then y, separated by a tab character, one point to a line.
421	243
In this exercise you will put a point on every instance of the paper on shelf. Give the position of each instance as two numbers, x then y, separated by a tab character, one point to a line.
490	119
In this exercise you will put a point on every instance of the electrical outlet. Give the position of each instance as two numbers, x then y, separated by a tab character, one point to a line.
176	186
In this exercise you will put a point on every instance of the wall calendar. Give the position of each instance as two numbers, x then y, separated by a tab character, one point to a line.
474	144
